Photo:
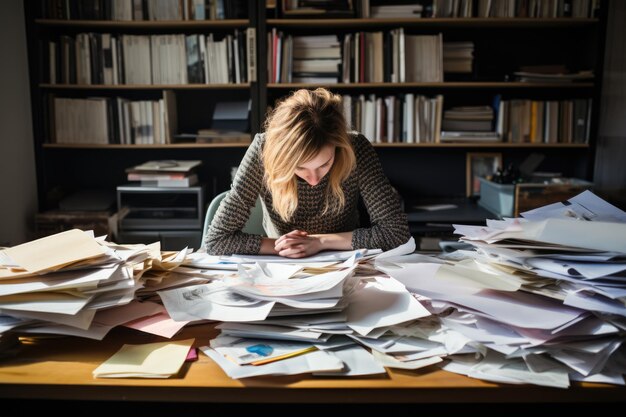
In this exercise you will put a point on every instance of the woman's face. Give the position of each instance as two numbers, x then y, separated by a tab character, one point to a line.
313	170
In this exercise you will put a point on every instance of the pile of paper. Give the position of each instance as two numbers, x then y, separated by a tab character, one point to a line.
287	318
496	313
74	284
541	297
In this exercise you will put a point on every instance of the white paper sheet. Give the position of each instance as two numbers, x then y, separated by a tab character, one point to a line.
382	302
357	362
212	301
311	362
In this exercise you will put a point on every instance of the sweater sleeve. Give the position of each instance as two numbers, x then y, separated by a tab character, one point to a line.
389	224
225	236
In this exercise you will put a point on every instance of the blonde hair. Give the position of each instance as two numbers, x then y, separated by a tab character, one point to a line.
295	132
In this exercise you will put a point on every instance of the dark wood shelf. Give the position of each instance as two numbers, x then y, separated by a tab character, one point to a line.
168	146
377	145
283	86
481	145
449	84
240	86
143	24
472	22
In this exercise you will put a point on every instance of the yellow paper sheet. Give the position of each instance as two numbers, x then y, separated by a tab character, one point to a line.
152	360
53	252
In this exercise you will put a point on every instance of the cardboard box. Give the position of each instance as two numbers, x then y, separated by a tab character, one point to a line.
56	221
509	200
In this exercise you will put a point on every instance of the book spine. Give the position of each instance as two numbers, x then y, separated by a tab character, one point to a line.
251	49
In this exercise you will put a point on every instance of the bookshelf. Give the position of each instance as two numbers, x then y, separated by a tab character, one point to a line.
419	169
501	47
65	166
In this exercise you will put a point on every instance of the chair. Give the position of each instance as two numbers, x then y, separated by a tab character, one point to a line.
254	225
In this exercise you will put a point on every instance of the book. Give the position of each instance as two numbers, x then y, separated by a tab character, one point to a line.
167	165
135	176
222	136
474	136
187	181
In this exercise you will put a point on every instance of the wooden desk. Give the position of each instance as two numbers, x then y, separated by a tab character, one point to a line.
60	369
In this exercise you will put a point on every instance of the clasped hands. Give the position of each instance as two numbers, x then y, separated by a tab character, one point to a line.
297	244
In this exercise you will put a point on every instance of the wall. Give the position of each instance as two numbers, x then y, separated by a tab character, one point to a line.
610	166
18	186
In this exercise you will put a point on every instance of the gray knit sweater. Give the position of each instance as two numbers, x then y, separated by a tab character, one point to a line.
389	226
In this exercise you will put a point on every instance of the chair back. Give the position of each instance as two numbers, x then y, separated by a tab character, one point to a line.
254	225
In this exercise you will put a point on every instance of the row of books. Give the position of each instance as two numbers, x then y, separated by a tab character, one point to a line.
538	8
365	57
104	58
128	10
106	120
441	8
524	121
405	118
545	121
412	118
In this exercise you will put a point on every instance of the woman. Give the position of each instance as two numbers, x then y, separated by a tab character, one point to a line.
309	172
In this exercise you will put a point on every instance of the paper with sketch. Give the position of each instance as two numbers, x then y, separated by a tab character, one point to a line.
152	360
56	251
244	351
256	284
212	301
316	361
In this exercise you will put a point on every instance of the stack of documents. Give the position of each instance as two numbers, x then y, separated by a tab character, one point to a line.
321	320
74	284
503	312
542	298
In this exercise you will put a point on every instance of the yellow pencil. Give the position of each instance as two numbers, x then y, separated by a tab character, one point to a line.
285	356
